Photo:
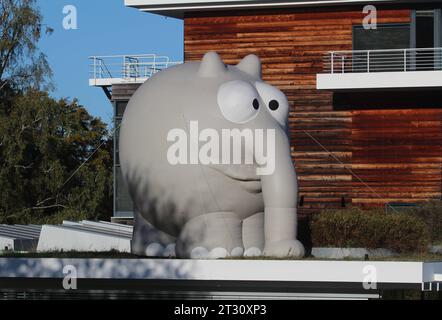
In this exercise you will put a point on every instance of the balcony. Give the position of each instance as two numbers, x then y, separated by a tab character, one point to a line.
106	71
381	69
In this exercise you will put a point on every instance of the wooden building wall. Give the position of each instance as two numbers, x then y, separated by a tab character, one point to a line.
396	151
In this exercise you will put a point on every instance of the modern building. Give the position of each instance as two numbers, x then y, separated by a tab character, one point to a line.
19	238
366	116
85	236
119	77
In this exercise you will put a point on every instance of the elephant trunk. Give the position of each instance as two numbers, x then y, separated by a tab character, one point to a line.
280	192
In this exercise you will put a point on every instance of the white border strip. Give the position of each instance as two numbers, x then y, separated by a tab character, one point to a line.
228	270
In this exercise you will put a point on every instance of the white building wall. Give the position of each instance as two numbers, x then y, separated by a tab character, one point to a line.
59	238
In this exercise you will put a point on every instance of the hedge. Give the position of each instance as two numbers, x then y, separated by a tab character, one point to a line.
371	229
431	213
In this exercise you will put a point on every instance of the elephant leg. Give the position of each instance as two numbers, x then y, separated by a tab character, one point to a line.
212	235
280	229
149	241
253	235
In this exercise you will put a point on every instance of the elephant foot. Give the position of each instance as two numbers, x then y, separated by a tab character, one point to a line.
211	236
253	235
149	241
284	249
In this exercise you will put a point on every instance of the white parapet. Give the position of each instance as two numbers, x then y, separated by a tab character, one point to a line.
379	80
105	82
83	238
19	237
101	236
385	272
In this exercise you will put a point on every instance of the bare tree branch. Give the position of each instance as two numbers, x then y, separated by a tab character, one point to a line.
24	167
44	201
49	207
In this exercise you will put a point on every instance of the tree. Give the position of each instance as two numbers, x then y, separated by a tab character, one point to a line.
55	158
22	65
48	168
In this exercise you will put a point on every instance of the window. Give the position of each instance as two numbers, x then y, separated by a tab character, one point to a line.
117	123
424	29
388	36
424	33
426	26
123	201
120	108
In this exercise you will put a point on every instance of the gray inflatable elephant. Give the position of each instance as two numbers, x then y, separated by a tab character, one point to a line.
205	152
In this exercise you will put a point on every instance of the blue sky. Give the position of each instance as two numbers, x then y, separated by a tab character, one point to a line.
105	27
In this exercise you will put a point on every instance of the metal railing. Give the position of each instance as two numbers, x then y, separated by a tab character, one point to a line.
128	66
390	60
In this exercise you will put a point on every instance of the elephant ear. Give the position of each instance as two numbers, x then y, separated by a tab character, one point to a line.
251	65
211	65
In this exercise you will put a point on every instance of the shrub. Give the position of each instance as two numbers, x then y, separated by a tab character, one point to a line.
371	229
431	213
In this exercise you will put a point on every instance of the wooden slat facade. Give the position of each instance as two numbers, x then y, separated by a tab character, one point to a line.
396	151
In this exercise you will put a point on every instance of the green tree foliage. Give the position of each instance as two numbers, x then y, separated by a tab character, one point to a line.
22	65
49	170
43	144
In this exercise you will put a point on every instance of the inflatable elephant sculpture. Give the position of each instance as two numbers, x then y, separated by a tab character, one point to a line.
205	152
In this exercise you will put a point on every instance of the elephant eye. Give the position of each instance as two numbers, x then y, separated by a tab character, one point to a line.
274	105
275	100
238	101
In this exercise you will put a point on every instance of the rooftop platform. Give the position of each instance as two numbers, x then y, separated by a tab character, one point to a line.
106	71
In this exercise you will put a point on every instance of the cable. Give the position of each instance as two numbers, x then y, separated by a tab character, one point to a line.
349	170
87	159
